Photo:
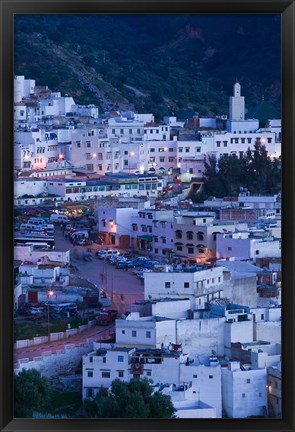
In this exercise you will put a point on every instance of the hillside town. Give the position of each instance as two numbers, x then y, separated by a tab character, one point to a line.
121	272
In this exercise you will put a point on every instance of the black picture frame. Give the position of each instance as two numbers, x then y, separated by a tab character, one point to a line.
10	7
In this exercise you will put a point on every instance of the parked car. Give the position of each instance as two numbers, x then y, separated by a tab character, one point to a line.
106	317
106	253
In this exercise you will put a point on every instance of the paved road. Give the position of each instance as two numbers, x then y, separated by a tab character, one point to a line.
121	286
99	334
96	333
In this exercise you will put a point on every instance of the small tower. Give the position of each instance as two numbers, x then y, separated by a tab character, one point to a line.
237	104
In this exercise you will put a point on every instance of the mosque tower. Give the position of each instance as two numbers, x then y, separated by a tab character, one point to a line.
237	105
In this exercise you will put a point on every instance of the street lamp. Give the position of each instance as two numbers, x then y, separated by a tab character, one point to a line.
132	153
50	294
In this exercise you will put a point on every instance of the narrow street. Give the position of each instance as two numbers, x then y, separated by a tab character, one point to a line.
122	287
99	334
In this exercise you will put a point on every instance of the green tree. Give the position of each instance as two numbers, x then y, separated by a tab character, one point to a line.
31	393
255	171
129	400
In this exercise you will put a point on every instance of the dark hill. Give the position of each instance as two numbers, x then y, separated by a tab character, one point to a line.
153	63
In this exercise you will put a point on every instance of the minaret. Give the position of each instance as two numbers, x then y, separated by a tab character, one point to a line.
237	104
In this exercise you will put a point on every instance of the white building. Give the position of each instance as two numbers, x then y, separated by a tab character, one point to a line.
242	246
115	225
23	88
56	105
267	324
199	286
237	122
91	150
243	391
195	234
274	387
27	253
154	230
127	129
186	379
156	131
148	332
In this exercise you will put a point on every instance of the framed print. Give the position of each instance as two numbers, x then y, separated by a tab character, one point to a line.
147	234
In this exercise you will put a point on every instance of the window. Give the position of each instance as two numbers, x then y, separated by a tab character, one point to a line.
243	395
167	284
225	143
121	374
171	159
106	374
156	239
149	373
123	331
156	250
195	376
257	252
90	359
179	248
162	159
120	358
164	240
152	150
218	143
148	334
178	234
180	149
200	235
190	250
248	380
90	392
186	285
210	376
104	359
133	333
189	235
187	149
260	394
262	316
229	248
90	374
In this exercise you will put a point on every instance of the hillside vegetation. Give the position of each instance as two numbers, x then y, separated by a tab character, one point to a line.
152	63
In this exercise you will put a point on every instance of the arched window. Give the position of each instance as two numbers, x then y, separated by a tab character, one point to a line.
200	235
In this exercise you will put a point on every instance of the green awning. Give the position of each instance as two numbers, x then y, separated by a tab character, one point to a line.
146	237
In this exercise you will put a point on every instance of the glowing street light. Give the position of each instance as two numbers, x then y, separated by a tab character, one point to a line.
50	294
